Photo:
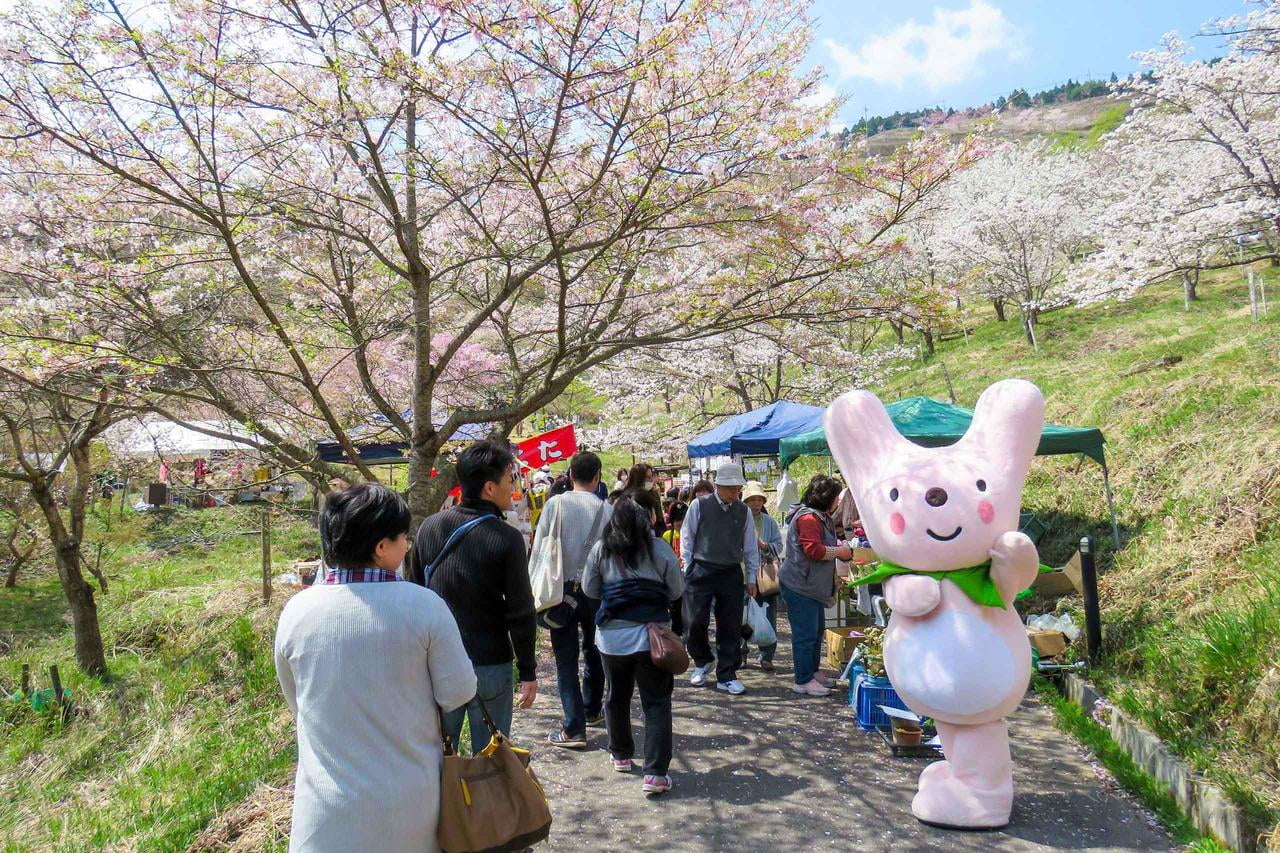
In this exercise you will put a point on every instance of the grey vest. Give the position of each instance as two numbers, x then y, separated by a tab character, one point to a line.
719	537
814	579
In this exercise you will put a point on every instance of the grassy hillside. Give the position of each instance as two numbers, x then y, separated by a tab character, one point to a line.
1066	122
190	719
1191	603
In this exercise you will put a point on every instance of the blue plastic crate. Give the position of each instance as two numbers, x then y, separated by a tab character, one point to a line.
867	694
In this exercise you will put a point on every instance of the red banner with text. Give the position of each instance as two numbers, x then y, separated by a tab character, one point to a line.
549	448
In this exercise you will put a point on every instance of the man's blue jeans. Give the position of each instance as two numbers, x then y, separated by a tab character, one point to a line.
805	615
495	686
581	699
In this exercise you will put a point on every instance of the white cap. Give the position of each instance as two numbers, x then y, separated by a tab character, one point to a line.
730	474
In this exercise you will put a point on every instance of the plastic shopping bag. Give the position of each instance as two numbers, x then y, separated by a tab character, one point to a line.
762	633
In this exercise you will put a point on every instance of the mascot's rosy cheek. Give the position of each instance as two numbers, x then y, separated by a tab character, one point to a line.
943	522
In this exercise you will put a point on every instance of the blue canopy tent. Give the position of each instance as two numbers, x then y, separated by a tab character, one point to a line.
385	452
758	432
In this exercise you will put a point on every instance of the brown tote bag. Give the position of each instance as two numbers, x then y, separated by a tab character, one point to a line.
667	650
767	579
491	802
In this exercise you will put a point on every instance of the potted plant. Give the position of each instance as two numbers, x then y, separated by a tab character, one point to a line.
907	733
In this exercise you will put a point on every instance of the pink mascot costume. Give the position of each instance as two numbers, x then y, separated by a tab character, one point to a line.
943	522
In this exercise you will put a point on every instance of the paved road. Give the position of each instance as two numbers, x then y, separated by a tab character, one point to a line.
771	771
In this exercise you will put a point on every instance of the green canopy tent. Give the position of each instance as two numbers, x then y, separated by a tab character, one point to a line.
931	423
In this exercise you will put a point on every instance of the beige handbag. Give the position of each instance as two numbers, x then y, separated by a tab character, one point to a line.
767	578
491	802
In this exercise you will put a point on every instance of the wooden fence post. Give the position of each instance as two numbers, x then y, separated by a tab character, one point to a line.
266	554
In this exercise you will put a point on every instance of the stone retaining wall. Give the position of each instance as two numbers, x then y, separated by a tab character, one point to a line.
1204	803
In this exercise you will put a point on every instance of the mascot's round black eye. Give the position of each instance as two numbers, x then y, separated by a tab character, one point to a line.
982	485
893	494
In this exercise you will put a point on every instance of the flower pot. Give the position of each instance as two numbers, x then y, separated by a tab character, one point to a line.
907	734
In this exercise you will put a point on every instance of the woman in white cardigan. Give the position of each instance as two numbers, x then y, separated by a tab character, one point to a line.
364	660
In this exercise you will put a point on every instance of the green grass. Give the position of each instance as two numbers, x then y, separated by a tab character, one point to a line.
1133	778
1112	118
1191	603
189	719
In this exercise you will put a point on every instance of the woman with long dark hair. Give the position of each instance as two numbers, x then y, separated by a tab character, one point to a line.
643	477
808	578
635	576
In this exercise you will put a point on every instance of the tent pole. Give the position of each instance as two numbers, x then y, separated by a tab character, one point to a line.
1111	505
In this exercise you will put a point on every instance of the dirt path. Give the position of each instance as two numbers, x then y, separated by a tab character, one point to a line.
771	771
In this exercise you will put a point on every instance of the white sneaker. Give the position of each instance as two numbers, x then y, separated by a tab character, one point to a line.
813	688
734	687
698	675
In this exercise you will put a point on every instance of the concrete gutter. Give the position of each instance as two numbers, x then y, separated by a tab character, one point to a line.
1206	805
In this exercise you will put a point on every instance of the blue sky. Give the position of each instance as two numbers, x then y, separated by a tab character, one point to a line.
908	54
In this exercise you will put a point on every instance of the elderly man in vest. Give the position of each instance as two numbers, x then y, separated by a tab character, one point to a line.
718	537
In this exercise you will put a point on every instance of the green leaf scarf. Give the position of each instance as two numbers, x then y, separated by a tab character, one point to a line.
974	581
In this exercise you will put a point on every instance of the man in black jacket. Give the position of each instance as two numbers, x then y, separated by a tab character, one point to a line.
484	578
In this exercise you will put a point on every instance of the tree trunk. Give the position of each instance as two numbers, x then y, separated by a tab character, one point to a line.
998	304
1028	326
84	610
11	579
1189	284
897	330
80	489
928	340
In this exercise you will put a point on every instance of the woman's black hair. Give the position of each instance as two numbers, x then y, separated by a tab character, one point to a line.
561	485
703	486
821	492
629	533
482	462
353	521
677	513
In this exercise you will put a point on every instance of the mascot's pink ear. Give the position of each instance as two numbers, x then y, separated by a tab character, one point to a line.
860	435
1007	423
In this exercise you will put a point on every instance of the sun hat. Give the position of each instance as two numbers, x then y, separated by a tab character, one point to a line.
754	490
730	474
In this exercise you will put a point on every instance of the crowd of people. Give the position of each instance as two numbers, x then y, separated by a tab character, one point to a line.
377	673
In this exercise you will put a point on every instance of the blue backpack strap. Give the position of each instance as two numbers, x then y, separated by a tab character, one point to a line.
454	538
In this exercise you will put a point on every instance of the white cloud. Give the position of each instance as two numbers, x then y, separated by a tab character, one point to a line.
821	95
944	52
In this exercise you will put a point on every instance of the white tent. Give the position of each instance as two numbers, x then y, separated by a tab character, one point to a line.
164	438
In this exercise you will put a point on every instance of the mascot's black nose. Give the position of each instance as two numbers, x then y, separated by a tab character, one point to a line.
935	496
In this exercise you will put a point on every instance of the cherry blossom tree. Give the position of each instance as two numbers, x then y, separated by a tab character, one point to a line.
1025	221
301	192
656	400
1160	210
1193	166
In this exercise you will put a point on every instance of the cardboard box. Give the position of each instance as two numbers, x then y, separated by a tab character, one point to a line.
1060	582
1048	643
840	645
1074	573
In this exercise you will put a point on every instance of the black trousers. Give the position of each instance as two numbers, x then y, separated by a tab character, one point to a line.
624	673
722	591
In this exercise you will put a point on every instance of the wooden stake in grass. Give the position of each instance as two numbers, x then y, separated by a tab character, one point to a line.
57	685
266	554
26	679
